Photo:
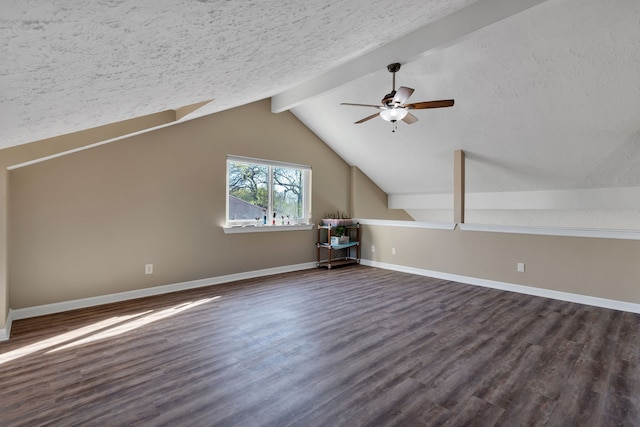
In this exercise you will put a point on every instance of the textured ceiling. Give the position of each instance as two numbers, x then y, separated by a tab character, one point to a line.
69	65
548	98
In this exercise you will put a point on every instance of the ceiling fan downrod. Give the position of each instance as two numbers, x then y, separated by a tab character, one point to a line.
393	69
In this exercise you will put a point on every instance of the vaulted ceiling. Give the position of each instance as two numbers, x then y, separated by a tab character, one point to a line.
546	99
547	92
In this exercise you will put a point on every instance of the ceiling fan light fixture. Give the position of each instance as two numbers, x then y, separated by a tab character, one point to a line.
393	114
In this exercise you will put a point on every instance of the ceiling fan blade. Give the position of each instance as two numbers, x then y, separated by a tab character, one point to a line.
410	119
402	95
430	104
361	105
366	118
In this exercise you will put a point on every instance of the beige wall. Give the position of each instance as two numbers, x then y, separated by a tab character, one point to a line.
38	149
85	224
605	268
369	201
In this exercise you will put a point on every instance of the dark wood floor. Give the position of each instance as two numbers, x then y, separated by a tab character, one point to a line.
356	346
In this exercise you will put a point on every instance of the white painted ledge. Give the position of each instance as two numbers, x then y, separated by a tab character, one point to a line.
619	198
265	228
490	228
408	224
555	231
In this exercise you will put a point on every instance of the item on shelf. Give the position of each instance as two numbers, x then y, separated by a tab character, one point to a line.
340	245
337	222
336	219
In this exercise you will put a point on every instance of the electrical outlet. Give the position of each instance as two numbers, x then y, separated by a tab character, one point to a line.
373	248
148	269
520	267
393	251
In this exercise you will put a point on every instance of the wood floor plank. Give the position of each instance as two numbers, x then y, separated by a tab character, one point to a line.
354	346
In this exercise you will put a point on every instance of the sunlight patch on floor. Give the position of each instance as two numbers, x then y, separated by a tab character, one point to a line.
104	329
140	321
67	336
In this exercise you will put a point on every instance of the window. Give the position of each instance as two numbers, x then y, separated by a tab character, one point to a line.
258	188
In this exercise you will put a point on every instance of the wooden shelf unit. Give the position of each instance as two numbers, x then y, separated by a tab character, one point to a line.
338	254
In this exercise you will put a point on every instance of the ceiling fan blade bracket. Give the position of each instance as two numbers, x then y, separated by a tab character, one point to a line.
402	95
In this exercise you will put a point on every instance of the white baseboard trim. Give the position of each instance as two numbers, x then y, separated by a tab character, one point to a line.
40	310
5	332
529	290
24	313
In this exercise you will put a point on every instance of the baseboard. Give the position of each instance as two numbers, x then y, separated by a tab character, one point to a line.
24	313
529	290
5	332
40	310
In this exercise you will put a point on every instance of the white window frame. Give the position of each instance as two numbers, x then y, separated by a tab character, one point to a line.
306	191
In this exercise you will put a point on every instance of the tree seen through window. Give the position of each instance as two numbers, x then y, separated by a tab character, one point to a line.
258	189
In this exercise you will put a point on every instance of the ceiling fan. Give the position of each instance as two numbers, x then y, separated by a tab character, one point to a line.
393	104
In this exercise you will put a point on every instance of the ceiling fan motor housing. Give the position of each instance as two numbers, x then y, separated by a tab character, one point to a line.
388	99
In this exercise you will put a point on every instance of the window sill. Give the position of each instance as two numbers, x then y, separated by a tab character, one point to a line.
238	229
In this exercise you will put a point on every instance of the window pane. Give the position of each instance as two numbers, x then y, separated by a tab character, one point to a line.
287	192
279	190
248	190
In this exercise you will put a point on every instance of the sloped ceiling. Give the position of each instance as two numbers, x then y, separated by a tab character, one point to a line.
547	96
546	99
69	65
